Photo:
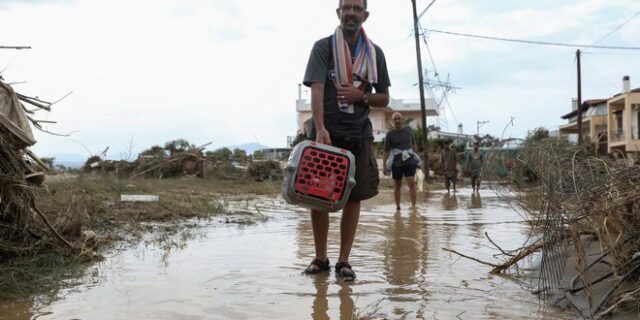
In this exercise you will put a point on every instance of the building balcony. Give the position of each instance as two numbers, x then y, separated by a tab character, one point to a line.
617	135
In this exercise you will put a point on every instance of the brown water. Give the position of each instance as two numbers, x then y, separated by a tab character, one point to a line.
235	271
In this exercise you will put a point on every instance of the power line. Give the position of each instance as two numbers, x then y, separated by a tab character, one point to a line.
618	27
435	71
15	47
545	43
425	10
445	86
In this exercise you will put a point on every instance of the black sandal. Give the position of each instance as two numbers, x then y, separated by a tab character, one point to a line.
347	275
322	266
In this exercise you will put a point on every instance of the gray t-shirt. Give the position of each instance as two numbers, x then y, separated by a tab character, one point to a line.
400	139
321	69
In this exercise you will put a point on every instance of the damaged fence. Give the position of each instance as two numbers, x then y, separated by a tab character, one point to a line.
585	216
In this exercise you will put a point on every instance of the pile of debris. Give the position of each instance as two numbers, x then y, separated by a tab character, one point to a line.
193	163
24	229
588	212
265	170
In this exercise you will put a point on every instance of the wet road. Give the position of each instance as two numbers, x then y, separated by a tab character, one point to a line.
234	271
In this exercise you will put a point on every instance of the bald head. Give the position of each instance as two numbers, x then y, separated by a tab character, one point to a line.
397	118
364	4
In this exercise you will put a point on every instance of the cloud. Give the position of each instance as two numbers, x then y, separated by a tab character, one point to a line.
8	3
227	71
227	34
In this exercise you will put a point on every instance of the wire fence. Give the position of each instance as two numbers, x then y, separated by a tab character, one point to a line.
573	196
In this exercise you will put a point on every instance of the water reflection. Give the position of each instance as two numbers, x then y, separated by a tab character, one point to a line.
449	202
15	310
402	256
320	306
476	201
320	302
346	303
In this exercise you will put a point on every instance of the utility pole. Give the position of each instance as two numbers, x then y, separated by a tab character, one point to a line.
478	125
425	138
579	99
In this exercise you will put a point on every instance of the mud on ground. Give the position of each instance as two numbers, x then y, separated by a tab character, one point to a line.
89	210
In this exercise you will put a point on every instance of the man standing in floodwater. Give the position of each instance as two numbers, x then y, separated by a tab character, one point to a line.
449	165
342	71
474	166
401	157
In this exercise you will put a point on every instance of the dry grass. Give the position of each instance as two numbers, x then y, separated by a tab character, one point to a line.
576	194
75	204
179	198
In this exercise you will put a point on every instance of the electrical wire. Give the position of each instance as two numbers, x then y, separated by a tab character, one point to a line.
435	71
446	84
617	28
546	43
425	10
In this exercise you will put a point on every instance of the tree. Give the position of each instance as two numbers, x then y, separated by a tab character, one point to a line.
178	146
299	138
434	144
239	155
538	134
223	154
488	141
48	161
258	154
155	151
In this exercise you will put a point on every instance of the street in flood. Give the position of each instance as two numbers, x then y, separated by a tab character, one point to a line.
224	269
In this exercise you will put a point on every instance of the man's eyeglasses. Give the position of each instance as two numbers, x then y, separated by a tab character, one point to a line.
356	9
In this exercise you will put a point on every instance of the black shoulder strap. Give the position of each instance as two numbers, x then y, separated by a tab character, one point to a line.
330	47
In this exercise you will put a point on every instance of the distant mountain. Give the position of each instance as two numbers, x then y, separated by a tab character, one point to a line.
249	148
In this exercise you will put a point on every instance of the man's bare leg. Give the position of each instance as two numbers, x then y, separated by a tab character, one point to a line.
397	188
447	183
348	226
411	183
320	223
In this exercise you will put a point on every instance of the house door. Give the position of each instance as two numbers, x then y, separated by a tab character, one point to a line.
619	120
636	127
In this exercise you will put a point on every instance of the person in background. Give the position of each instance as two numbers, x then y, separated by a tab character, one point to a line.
401	157
449	165
474	166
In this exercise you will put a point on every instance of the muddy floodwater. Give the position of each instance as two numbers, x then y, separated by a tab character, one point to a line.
228	269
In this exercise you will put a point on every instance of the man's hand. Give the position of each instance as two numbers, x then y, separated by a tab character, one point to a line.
349	94
322	136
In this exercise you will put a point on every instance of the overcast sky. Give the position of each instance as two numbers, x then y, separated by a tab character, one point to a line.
227	71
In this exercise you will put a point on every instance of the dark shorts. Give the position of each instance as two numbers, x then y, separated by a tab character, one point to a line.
407	171
367	177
